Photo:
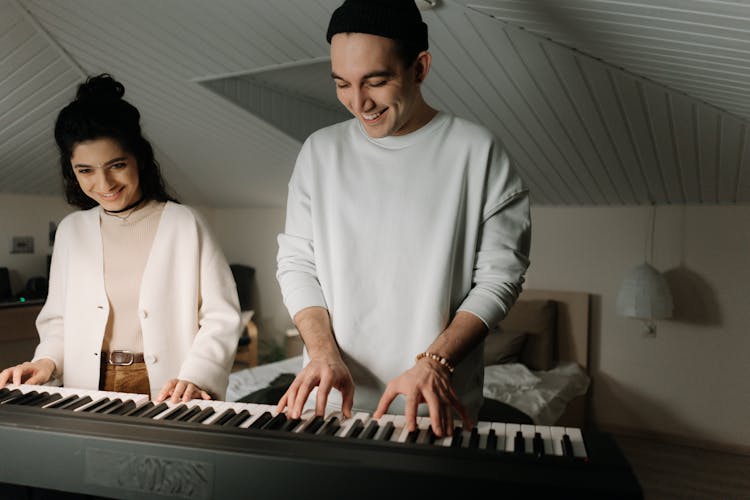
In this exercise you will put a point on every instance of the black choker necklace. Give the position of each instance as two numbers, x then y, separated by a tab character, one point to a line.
132	205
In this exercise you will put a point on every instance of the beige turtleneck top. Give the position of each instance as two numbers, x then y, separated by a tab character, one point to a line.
126	243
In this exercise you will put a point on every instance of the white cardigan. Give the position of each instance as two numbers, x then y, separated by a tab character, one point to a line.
188	306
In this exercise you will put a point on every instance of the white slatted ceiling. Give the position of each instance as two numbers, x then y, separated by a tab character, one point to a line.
671	127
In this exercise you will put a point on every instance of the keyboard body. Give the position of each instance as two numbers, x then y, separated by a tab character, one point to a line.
120	456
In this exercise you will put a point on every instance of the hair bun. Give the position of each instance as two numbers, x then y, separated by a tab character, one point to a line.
100	88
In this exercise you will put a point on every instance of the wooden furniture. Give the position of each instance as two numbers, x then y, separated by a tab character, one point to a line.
18	335
247	353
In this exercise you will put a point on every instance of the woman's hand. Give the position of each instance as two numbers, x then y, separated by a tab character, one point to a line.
30	372
181	390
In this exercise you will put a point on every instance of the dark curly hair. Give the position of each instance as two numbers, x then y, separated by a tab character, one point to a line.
98	112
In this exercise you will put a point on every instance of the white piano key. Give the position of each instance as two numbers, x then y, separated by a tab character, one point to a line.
465	438
400	433
483	428
306	417
382	421
499	428
557	434
528	432
347	424
547	438
510	436
219	407
576	439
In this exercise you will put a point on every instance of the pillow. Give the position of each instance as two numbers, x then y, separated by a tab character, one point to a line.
538	319
503	347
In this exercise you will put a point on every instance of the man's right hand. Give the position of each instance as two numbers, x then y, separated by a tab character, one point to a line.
325	374
36	372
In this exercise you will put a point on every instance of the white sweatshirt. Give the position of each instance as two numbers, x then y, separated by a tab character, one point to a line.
395	235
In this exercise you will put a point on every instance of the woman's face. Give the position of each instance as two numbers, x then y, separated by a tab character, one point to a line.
106	173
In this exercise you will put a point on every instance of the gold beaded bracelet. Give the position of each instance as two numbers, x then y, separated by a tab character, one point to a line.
443	361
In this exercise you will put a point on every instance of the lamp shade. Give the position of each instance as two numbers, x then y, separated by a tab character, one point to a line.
644	294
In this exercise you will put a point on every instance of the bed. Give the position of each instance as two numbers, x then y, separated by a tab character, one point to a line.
536	361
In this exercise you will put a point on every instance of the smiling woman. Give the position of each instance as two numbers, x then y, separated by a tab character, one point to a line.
141	298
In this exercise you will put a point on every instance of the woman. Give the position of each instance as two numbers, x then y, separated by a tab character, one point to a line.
141	298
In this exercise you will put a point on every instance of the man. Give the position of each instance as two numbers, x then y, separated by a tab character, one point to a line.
407	235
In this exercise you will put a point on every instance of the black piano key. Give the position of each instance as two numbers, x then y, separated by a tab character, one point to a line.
431	437
224	417
369	431
276	422
31	401
109	406
175	412
202	415
122	408
457	437
412	436
330	427
354	430
492	440
474	439
48	399
315	423
567	446
21	398
192	411
519	443
77	403
10	395
62	402
290	424
385	432
93	407
151	413
137	412
237	420
4	391
259	422
538	445
426	437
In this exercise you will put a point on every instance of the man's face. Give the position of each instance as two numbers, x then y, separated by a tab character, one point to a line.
373	84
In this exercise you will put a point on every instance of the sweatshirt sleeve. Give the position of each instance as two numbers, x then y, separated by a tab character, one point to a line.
502	255
296	269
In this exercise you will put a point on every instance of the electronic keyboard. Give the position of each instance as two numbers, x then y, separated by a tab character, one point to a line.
125	446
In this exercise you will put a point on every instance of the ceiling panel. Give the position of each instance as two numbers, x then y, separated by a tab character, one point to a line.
599	102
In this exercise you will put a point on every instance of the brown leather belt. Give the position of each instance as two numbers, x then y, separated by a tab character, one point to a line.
122	358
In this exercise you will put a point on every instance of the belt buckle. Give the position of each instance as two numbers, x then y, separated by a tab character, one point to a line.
121	358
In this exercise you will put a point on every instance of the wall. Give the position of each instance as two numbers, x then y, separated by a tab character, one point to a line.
248	236
23	215
688	380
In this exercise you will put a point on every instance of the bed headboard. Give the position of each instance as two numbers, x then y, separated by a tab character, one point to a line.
572	322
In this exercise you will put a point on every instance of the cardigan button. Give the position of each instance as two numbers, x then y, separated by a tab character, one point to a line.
144	313
150	359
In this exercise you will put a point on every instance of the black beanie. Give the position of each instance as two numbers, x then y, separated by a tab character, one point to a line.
396	19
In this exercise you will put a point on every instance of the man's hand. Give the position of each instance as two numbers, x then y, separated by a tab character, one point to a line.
426	382
325	374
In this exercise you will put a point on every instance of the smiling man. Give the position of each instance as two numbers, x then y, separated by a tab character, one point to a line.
407	235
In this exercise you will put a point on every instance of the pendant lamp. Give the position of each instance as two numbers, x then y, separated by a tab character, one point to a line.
644	293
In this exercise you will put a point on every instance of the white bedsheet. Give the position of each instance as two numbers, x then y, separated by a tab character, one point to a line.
542	395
